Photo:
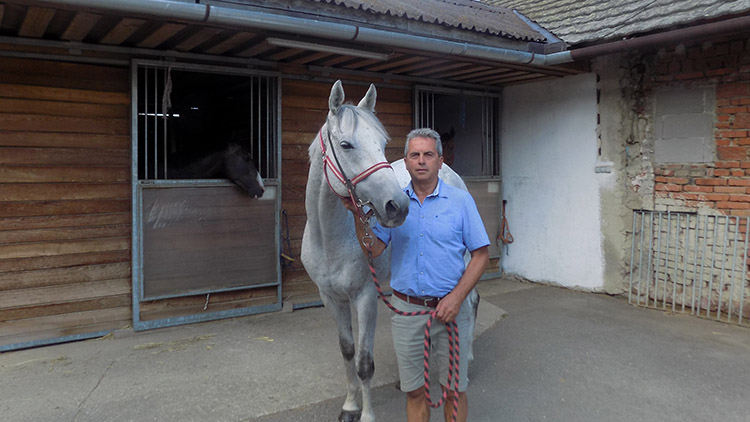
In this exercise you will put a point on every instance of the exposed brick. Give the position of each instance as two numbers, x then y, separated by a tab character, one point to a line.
690	196
667	187
711	182
717	197
721	172
677	180
733	205
741	120
733	90
723	126
738	173
733	133
729	164
739	198
743	101
718	72
731	110
729	189
731	153
721	142
703	189
723	117
739	213
742	141
690	75
739	182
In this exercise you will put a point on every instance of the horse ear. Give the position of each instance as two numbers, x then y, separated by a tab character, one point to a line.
337	97
368	101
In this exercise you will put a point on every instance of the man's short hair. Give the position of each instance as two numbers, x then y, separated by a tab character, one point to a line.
424	132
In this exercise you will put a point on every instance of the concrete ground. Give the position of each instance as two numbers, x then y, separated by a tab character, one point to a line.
559	355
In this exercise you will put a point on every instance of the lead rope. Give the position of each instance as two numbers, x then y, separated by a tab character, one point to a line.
451	327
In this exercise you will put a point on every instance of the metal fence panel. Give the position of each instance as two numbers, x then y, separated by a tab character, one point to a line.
690	263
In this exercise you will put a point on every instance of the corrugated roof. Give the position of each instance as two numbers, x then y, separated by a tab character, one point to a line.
463	14
577	21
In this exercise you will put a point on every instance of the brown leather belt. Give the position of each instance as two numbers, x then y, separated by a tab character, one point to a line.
430	303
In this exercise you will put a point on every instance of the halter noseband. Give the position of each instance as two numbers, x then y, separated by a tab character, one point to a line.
338	171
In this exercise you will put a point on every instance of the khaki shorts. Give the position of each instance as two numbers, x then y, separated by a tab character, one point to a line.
408	342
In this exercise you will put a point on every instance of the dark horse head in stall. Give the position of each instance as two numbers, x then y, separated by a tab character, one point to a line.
233	162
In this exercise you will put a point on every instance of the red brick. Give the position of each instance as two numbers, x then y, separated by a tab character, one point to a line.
717	197
729	189
723	117
723	126
703	189
733	133
731	153
711	182
741	120
739	182
739	198
690	75
745	165
667	187
731	110
718	72
737	173
733	90
742	141
740	213
733	205
721	172
743	101
690	196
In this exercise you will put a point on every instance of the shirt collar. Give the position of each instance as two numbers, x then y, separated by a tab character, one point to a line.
439	190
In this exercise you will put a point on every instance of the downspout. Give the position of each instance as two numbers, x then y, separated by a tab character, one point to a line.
248	19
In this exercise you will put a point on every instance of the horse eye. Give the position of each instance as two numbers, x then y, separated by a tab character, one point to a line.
346	145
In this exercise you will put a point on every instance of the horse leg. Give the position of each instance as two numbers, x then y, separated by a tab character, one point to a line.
342	314
366	305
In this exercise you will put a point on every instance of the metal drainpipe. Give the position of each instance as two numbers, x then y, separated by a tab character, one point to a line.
248	19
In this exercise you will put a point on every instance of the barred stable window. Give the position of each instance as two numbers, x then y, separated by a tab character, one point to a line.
468	123
184	115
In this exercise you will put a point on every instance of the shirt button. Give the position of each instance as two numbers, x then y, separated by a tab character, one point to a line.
420	254
421	273
420	234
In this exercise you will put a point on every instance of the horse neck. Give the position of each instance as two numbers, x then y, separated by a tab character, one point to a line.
208	167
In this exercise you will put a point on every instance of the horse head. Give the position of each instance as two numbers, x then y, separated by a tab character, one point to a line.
355	139
239	167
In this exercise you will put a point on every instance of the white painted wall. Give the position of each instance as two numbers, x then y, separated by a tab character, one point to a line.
549	151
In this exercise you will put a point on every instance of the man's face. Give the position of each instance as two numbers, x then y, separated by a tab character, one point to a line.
422	160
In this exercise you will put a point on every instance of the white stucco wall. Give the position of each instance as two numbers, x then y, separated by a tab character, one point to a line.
549	152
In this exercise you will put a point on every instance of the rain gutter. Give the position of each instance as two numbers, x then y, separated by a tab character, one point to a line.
250	19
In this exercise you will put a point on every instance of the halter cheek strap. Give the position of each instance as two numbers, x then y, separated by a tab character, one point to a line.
335	167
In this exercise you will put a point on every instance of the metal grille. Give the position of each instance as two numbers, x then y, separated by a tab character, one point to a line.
159	142
690	263
426	99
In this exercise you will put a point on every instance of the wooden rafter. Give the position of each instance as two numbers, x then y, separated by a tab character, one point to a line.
80	26
35	22
231	42
198	38
124	29
162	34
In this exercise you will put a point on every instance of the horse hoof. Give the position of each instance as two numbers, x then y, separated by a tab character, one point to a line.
350	415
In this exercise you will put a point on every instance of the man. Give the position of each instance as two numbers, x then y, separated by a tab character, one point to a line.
428	271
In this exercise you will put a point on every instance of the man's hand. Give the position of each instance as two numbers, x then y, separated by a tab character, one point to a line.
448	307
348	204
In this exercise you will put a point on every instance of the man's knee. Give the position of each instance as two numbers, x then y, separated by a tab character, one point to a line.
416	394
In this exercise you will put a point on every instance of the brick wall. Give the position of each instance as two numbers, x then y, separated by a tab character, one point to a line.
724	184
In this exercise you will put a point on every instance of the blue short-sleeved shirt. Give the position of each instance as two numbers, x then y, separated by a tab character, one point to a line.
427	251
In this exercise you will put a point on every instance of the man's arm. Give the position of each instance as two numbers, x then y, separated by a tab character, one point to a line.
377	246
448	308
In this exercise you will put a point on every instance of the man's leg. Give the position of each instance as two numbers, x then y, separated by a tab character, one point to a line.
463	407
417	409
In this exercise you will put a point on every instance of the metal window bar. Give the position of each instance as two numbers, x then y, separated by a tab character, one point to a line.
690	263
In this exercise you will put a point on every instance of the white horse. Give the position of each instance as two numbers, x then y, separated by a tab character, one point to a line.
350	146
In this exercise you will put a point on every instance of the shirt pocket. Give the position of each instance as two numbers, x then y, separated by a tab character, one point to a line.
446	227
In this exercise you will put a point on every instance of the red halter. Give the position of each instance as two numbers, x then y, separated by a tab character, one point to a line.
335	167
